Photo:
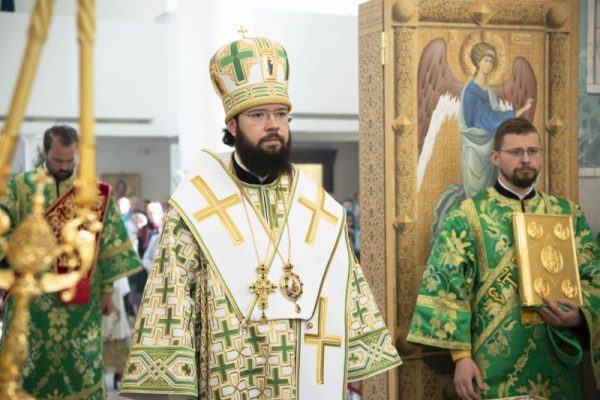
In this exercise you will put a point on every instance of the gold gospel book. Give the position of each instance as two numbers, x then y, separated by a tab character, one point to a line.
545	253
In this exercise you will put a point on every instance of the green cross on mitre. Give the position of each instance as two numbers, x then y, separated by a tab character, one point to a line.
235	59
282	54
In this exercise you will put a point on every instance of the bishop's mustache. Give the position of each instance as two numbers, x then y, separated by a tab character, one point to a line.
270	136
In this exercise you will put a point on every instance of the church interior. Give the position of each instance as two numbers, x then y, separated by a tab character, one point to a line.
352	85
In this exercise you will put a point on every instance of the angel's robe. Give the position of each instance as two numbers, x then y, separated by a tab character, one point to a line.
478	120
469	300
65	340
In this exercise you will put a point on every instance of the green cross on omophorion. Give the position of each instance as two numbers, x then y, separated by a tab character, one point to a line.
235	58
251	372
226	333
276	382
222	368
284	348
165	290
169	320
255	339
359	311
141	330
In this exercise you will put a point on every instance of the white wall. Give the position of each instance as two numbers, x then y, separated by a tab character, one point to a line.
151	78
148	157
130	64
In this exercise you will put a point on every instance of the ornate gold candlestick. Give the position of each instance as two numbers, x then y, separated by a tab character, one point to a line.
30	252
32	247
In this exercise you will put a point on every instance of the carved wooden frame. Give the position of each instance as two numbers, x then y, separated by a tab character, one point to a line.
388	59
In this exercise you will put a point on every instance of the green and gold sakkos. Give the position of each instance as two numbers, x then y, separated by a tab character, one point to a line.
65	340
469	300
198	346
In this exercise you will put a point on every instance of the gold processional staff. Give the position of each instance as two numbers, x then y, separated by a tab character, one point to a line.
32	247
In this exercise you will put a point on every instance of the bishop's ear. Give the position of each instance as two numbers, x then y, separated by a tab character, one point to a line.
232	126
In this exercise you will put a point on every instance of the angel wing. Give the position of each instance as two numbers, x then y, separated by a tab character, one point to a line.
522	85
438	98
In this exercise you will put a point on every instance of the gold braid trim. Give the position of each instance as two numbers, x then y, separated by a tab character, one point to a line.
430	301
468	206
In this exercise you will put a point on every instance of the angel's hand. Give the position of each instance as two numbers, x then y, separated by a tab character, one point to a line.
527	106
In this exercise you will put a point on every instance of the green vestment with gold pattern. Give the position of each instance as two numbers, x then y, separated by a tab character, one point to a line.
469	300
197	348
65	340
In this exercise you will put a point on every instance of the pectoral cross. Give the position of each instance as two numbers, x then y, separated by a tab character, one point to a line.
263	287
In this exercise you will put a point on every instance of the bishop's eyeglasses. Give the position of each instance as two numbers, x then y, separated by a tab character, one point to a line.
261	116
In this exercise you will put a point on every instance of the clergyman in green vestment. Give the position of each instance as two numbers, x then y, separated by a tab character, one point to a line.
469	297
65	339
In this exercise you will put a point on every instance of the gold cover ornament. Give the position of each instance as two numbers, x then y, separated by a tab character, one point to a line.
546	258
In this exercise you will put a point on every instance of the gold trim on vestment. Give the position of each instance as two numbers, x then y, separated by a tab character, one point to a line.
431	301
506	308
477	231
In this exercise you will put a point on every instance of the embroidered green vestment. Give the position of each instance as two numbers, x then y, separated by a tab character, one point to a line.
469	300
188	339
65	340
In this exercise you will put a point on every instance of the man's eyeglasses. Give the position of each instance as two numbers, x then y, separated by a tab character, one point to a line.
260	117
519	153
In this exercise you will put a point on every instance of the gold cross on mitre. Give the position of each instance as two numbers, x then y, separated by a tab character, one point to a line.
322	339
318	210
218	207
263	287
242	31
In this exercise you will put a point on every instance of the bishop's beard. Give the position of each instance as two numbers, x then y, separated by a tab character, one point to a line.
264	162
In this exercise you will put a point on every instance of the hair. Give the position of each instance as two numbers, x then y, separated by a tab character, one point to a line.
513	126
65	134
228	138
481	50
138	216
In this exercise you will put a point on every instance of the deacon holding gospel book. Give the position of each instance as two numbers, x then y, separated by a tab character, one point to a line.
469	300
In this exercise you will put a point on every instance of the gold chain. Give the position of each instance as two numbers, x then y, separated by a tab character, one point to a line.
262	284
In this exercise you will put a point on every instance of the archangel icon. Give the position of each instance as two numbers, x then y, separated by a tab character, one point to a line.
479	105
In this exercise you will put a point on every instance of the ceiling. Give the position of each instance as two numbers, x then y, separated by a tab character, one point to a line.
150	9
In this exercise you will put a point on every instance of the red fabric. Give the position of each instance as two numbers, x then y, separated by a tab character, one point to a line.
64	209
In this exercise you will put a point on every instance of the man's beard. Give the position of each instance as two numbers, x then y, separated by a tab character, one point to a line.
263	162
60	176
521	181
